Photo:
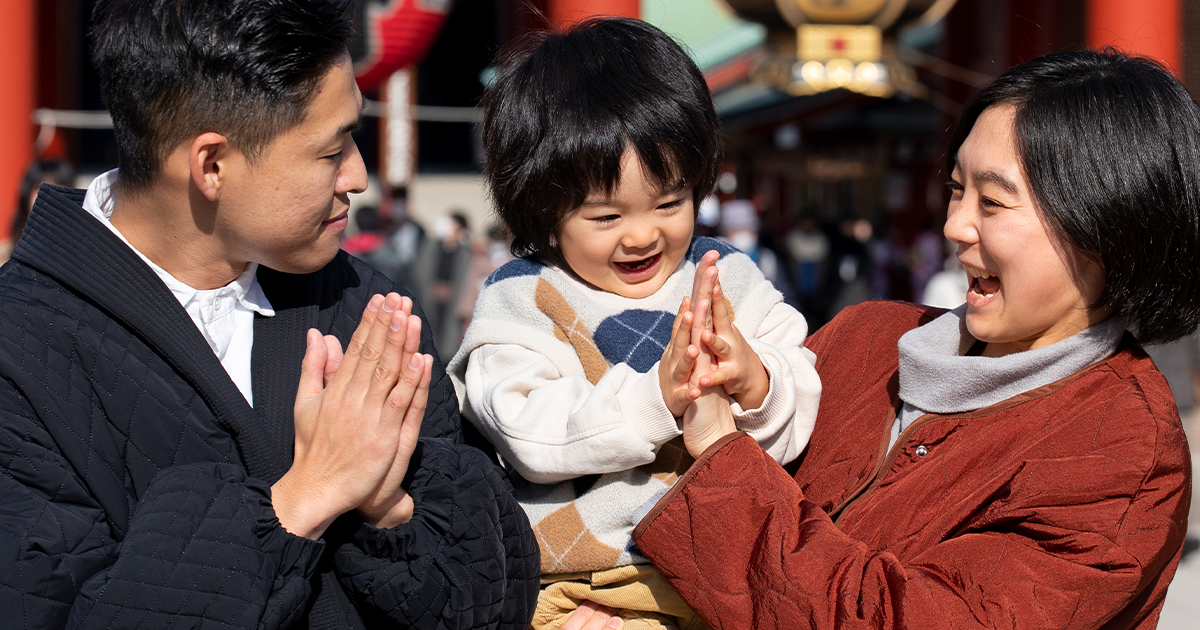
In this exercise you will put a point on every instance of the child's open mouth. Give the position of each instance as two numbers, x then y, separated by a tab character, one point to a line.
983	284
638	266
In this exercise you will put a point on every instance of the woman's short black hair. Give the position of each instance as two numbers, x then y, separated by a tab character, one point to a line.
565	107
247	69
1110	144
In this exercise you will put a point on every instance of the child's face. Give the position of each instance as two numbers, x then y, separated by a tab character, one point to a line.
630	241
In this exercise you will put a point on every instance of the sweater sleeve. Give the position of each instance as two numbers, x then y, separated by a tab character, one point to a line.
203	544
552	427
784	421
467	559
776	560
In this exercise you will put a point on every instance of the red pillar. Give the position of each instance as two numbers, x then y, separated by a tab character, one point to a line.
1147	27
568	11
17	45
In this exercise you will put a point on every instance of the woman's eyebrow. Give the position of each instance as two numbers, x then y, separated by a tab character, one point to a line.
996	178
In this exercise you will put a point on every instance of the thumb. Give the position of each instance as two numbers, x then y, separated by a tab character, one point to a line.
312	370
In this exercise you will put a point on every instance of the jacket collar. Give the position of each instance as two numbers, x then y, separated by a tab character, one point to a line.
67	244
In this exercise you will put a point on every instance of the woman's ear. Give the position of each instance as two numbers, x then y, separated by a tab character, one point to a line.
206	163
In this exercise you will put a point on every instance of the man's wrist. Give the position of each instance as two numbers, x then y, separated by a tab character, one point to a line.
298	510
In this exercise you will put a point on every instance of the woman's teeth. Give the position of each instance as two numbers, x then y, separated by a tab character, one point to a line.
982	282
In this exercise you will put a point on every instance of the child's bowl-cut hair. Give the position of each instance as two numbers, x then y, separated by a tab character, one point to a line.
565	107
1110	144
171	70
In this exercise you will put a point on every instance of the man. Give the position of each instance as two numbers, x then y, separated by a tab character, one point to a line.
183	441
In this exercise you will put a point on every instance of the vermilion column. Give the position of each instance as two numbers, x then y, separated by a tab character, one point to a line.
563	12
17	48
1147	27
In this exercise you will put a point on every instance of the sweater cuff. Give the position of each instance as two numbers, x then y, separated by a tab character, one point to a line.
774	404
641	403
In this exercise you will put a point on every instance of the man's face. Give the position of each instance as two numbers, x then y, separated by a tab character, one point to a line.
288	210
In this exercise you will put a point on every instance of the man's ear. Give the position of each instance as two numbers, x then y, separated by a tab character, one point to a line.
208	163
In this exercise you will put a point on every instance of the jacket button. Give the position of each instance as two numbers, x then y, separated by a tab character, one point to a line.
922	451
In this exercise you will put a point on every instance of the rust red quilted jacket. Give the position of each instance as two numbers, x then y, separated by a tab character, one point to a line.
1064	507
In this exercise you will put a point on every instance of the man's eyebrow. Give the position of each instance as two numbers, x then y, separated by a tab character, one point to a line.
352	127
996	178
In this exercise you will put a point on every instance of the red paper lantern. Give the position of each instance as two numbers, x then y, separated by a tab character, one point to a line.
397	34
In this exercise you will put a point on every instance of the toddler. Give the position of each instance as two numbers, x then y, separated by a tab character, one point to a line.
580	358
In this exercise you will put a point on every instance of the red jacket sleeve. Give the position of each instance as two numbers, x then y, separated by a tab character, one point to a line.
743	547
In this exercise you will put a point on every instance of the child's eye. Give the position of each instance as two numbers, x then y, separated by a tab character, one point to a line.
671	204
608	218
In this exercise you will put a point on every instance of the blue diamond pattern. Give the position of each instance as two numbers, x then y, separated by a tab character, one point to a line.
636	337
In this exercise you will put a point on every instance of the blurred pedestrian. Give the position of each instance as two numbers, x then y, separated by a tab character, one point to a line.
808	247
396	257
948	287
440	273
487	255
739	226
40	172
369	237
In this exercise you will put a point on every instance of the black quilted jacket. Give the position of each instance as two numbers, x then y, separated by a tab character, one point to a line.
135	485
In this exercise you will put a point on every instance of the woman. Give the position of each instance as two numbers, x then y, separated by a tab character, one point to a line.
1017	462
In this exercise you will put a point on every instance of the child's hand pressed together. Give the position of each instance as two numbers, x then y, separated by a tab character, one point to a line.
735	366
677	377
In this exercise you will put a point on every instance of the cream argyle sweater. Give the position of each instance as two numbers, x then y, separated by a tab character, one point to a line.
563	379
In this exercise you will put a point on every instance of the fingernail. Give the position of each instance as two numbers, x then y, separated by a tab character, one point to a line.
415	362
398	321
309	339
376	300
615	622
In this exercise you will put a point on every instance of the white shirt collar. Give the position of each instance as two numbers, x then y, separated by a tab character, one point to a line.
245	288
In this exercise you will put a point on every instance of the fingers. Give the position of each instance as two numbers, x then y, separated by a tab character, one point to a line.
334	348
593	616
722	318
708	260
378	362
312	368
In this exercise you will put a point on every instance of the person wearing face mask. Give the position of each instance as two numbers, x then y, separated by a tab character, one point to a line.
1015	462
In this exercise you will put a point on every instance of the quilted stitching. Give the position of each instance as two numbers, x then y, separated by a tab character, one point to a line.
126	498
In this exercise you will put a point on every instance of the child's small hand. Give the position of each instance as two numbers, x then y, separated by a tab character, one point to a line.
737	366
675	369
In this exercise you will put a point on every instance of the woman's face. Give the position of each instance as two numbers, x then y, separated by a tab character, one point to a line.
1028	289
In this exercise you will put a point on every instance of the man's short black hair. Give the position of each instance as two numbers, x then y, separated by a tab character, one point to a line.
247	69
1110	144
565	107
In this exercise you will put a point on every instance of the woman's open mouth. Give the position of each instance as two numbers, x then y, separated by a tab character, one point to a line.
639	267
983	284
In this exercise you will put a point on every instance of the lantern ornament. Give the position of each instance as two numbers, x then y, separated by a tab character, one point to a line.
394	34
845	44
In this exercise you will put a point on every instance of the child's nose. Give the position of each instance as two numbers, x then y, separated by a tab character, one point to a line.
640	235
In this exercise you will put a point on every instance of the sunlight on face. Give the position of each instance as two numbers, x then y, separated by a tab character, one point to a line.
1028	289
630	241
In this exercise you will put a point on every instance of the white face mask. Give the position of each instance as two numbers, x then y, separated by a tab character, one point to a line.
744	240
443	227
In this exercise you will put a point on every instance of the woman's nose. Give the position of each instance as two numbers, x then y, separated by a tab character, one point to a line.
961	225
